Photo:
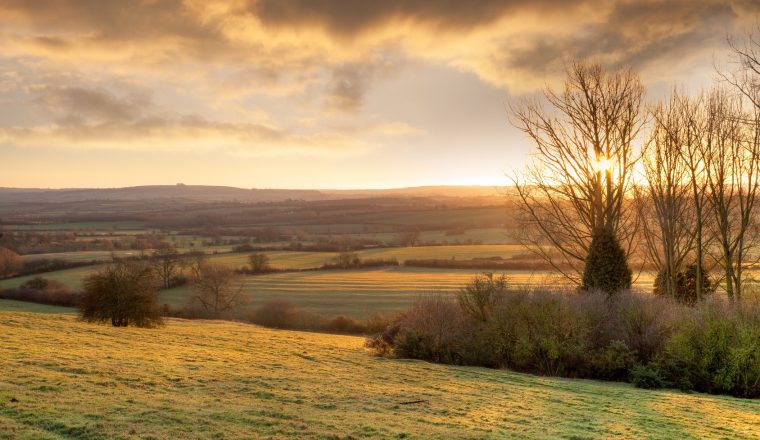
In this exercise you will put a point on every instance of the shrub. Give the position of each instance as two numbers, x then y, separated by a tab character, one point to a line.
606	264
551	336
479	296
275	313
644	376
62	297
122	293
39	283
614	362
344	324
686	285
716	350
10	262
649	340
259	263
430	330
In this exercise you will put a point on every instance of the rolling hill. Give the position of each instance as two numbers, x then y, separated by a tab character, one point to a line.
64	379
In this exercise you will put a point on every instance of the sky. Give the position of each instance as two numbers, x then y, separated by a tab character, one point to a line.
315	93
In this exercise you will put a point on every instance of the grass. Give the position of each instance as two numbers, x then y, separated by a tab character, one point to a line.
309	260
7	305
121	226
71	278
358	293
64	379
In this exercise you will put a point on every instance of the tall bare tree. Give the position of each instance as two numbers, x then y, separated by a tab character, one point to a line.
166	262
693	137
583	165
732	165
665	200
217	289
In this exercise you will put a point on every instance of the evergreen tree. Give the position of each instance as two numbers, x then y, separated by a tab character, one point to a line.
606	264
686	285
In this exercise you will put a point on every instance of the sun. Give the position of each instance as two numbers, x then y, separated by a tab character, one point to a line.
602	164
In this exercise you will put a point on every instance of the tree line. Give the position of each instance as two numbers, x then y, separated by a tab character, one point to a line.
616	182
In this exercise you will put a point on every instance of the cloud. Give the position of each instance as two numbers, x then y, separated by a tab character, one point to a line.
166	73
98	119
78	103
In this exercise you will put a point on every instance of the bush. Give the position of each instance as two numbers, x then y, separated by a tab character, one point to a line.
613	362
643	376
10	262
122	293
686	285
39	283
259	263
276	313
62	298
430	330
344	324
606	264
716	350
479	296
649	340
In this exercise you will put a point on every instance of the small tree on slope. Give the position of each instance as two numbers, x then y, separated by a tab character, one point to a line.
606	264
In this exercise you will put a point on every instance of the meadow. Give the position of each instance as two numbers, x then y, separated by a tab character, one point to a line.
64	379
357	293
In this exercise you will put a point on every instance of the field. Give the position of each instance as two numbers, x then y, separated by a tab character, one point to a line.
69	277
362	292
64	379
357	293
7	305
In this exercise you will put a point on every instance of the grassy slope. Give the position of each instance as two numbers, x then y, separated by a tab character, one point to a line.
210	379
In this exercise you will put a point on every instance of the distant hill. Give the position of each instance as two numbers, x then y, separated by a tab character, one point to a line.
421	191
200	193
203	193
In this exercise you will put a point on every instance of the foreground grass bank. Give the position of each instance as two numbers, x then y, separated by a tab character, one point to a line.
210	379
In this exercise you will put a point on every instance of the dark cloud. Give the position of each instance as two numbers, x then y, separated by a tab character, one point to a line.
350	17
78	103
114	19
284	60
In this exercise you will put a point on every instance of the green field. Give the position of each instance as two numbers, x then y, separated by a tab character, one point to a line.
356	293
121	226
7	305
71	278
362	292
64	379
308	260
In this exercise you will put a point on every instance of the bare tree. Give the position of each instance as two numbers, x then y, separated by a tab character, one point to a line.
258	263
583	165
346	260
732	165
693	138
745	76
217	289
664	200
166	262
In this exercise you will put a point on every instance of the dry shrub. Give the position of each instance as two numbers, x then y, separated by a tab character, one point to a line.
283	314
714	347
431	330
62	298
